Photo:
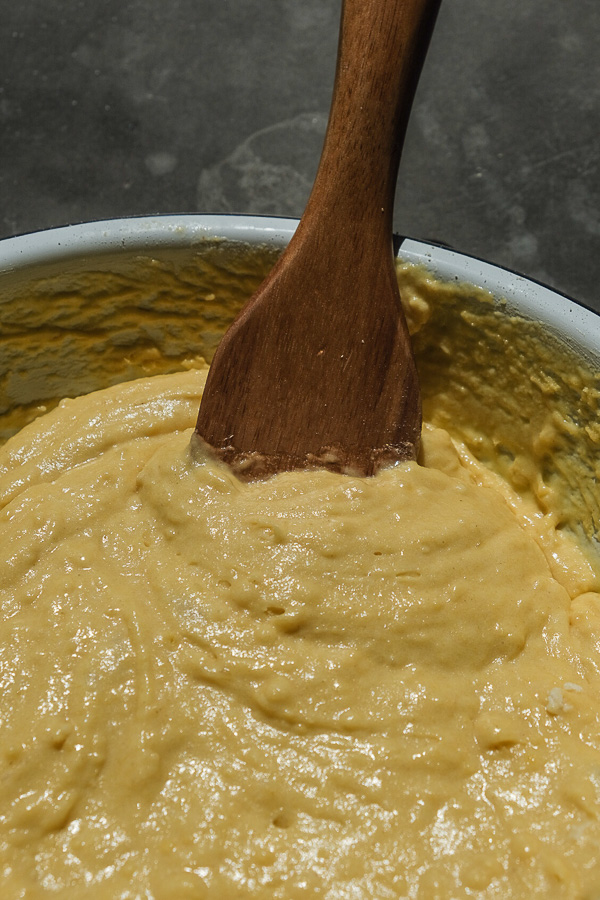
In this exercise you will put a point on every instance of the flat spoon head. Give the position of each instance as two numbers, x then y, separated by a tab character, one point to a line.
317	370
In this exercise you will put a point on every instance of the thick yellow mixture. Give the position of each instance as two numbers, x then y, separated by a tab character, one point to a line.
315	686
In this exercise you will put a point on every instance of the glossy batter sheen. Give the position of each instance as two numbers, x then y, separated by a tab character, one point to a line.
315	686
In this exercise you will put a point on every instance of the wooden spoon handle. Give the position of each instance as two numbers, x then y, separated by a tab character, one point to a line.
381	51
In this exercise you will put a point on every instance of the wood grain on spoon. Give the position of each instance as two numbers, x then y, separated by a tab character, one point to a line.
318	369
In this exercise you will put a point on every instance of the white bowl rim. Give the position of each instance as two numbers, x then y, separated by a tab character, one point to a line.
567	318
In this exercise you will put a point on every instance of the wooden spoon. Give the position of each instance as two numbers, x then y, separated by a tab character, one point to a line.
317	369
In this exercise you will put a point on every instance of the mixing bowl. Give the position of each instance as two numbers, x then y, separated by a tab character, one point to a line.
149	630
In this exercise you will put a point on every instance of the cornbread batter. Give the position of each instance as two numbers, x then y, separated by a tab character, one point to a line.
311	686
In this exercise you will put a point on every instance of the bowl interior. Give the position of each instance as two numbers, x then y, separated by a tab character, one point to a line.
508	367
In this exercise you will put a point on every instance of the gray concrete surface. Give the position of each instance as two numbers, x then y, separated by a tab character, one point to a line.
129	107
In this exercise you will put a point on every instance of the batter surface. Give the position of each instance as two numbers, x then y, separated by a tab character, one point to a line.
315	686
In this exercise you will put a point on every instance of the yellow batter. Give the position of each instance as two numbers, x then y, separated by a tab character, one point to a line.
315	686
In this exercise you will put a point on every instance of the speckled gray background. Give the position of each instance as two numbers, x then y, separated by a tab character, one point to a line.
129	107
